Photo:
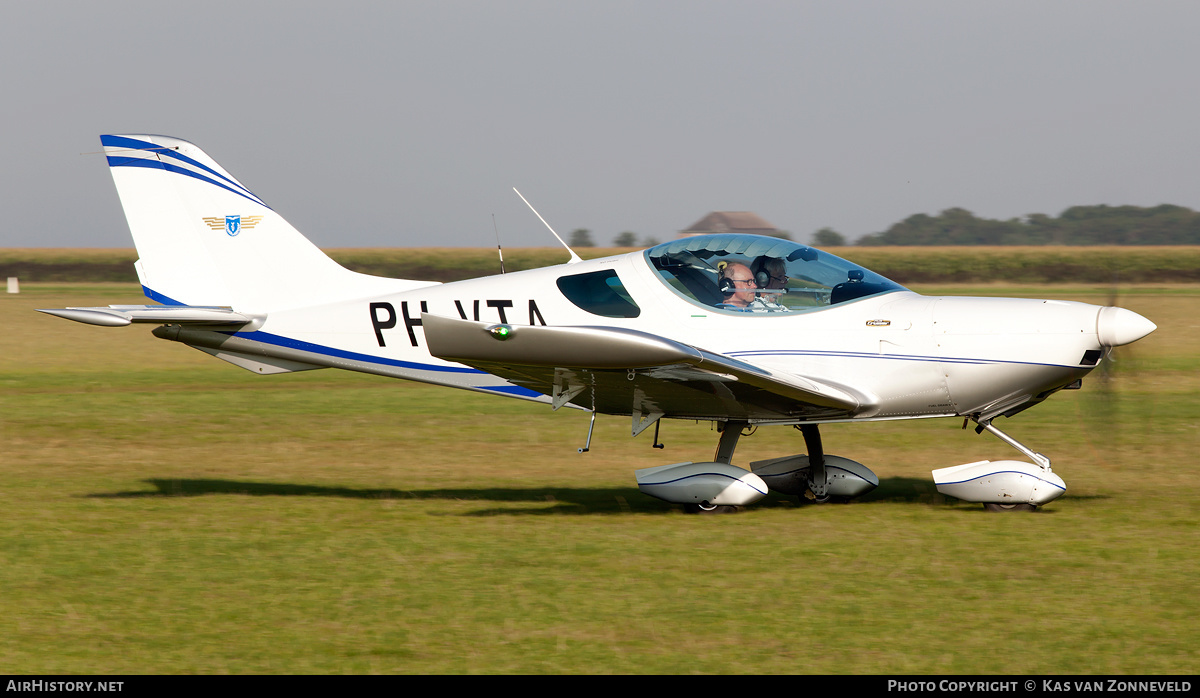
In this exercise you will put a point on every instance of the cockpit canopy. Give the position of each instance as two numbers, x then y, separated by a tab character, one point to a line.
755	274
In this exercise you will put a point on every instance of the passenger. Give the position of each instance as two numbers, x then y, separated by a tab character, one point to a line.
770	272
738	286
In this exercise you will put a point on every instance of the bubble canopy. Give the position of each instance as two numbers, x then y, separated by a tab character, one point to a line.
761	275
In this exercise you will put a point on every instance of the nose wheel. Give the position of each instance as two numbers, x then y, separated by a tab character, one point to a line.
996	506
706	508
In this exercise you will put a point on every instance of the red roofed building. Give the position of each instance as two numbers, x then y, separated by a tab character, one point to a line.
731	222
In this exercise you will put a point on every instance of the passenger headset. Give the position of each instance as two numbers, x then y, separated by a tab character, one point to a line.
726	287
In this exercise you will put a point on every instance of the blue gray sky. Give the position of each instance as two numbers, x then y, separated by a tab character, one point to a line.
408	123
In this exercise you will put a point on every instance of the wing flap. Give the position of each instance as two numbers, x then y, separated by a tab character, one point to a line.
628	371
261	365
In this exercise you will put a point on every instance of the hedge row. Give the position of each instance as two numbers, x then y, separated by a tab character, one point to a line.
902	264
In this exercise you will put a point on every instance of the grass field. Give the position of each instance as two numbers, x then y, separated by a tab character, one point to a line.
164	512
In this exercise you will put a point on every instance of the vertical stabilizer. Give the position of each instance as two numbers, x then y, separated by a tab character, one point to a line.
205	239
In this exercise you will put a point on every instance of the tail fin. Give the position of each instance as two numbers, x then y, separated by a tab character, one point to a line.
205	239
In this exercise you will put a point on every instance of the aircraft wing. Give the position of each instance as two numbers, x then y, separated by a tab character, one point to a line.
622	371
121	315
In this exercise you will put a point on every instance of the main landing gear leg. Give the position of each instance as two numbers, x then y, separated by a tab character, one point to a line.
729	441
817	486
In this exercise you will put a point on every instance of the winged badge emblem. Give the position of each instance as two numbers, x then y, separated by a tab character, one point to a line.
232	225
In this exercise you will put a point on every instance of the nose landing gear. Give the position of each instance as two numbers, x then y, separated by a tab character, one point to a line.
1007	485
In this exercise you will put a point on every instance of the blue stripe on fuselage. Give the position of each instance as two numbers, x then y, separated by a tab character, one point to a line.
887	357
281	341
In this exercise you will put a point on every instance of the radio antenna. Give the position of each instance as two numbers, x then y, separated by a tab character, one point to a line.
498	250
574	257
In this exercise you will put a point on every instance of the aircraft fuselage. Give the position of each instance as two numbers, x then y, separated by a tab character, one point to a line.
914	356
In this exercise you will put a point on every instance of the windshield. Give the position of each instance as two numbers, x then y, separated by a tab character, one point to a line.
755	274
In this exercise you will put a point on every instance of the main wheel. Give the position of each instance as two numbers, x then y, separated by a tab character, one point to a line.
997	506
806	500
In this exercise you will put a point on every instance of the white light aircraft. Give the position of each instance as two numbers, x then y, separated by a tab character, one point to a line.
739	330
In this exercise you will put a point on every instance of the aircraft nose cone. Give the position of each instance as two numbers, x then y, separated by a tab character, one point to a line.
1117	326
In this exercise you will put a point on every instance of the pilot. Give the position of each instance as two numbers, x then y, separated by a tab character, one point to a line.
738	286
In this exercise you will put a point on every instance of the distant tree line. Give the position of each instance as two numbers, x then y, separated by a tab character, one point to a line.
582	237
1078	225
1165	224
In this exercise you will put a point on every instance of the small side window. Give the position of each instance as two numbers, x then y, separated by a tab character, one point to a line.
599	293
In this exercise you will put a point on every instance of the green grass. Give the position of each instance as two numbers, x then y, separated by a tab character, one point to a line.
162	512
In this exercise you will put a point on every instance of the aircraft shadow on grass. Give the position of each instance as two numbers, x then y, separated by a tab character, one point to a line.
547	500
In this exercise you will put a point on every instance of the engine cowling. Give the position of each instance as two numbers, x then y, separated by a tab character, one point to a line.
713	484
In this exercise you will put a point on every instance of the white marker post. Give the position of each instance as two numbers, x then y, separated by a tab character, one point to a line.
13	286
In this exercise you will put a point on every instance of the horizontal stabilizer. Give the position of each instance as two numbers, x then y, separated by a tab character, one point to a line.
121	315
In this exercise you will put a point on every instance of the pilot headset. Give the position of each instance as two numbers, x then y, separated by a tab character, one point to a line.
725	285
761	276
